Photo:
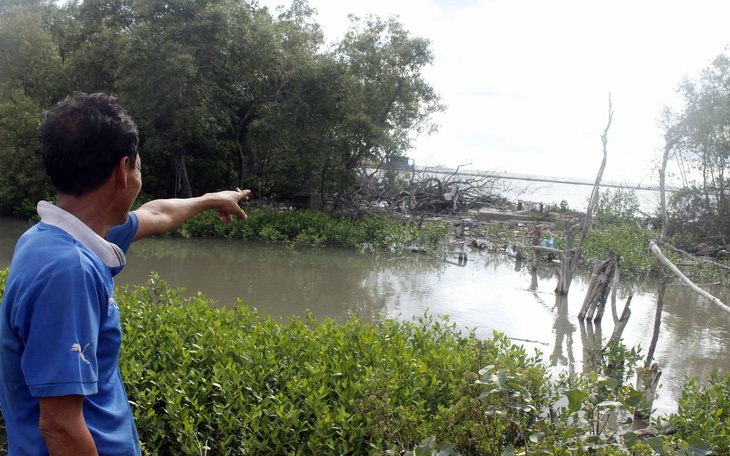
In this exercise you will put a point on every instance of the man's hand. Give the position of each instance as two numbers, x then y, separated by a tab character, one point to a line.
162	215
229	205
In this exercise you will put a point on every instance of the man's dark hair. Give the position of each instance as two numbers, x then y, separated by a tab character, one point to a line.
83	138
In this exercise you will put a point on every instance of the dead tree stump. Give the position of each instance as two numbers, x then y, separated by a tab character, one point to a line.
600	288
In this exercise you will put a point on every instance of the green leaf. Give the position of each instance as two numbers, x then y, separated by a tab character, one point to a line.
575	399
634	398
631	439
608	382
698	446
537	438
590	439
657	444
509	451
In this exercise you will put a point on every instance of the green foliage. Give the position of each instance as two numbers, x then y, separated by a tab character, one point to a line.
615	360
696	136
429	447
3	280
694	219
30	61
628	240
616	206
315	229
238	382
704	412
225	92
631	242
22	179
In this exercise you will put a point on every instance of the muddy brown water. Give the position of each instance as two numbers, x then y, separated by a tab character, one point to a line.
491	292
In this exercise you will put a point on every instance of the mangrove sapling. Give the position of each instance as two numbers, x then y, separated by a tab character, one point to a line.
704	412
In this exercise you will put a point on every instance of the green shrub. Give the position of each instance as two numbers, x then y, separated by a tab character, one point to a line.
239	382
704	412
314	229
617	206
628	240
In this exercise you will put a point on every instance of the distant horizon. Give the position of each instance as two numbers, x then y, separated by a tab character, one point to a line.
538	177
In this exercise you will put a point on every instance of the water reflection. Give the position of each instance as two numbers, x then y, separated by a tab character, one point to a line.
564	329
334	284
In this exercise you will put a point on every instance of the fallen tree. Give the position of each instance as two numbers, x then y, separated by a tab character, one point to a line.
664	261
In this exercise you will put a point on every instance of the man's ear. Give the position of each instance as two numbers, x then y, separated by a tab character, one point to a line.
120	172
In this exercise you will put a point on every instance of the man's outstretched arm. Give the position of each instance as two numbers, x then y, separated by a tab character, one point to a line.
162	215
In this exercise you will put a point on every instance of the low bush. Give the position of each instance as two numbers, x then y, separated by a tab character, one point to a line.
630	241
315	229
238	382
617	206
704	412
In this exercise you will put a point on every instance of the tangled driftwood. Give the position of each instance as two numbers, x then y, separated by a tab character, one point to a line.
434	191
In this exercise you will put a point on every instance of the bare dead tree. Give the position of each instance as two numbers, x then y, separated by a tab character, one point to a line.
664	261
704	260
571	255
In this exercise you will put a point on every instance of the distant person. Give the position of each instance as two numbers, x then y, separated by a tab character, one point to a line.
61	391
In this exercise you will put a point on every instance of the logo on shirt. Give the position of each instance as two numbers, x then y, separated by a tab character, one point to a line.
77	348
113	303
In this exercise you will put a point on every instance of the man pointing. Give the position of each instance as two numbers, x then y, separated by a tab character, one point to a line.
61	391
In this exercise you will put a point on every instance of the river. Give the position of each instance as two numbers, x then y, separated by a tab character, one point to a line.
491	292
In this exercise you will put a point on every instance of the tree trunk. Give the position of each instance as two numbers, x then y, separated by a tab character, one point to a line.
599	288
657	315
671	138
572	256
240	165
183	183
665	262
614	292
621	323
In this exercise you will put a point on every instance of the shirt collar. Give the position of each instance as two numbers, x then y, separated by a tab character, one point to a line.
109	253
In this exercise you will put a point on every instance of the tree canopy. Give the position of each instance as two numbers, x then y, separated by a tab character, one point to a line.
698	135
225	93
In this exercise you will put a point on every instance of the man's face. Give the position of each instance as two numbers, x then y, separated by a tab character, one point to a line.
134	181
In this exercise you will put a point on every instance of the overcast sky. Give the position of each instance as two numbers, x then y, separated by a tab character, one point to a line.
526	82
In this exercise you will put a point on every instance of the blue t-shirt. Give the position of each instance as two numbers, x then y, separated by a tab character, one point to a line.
60	335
